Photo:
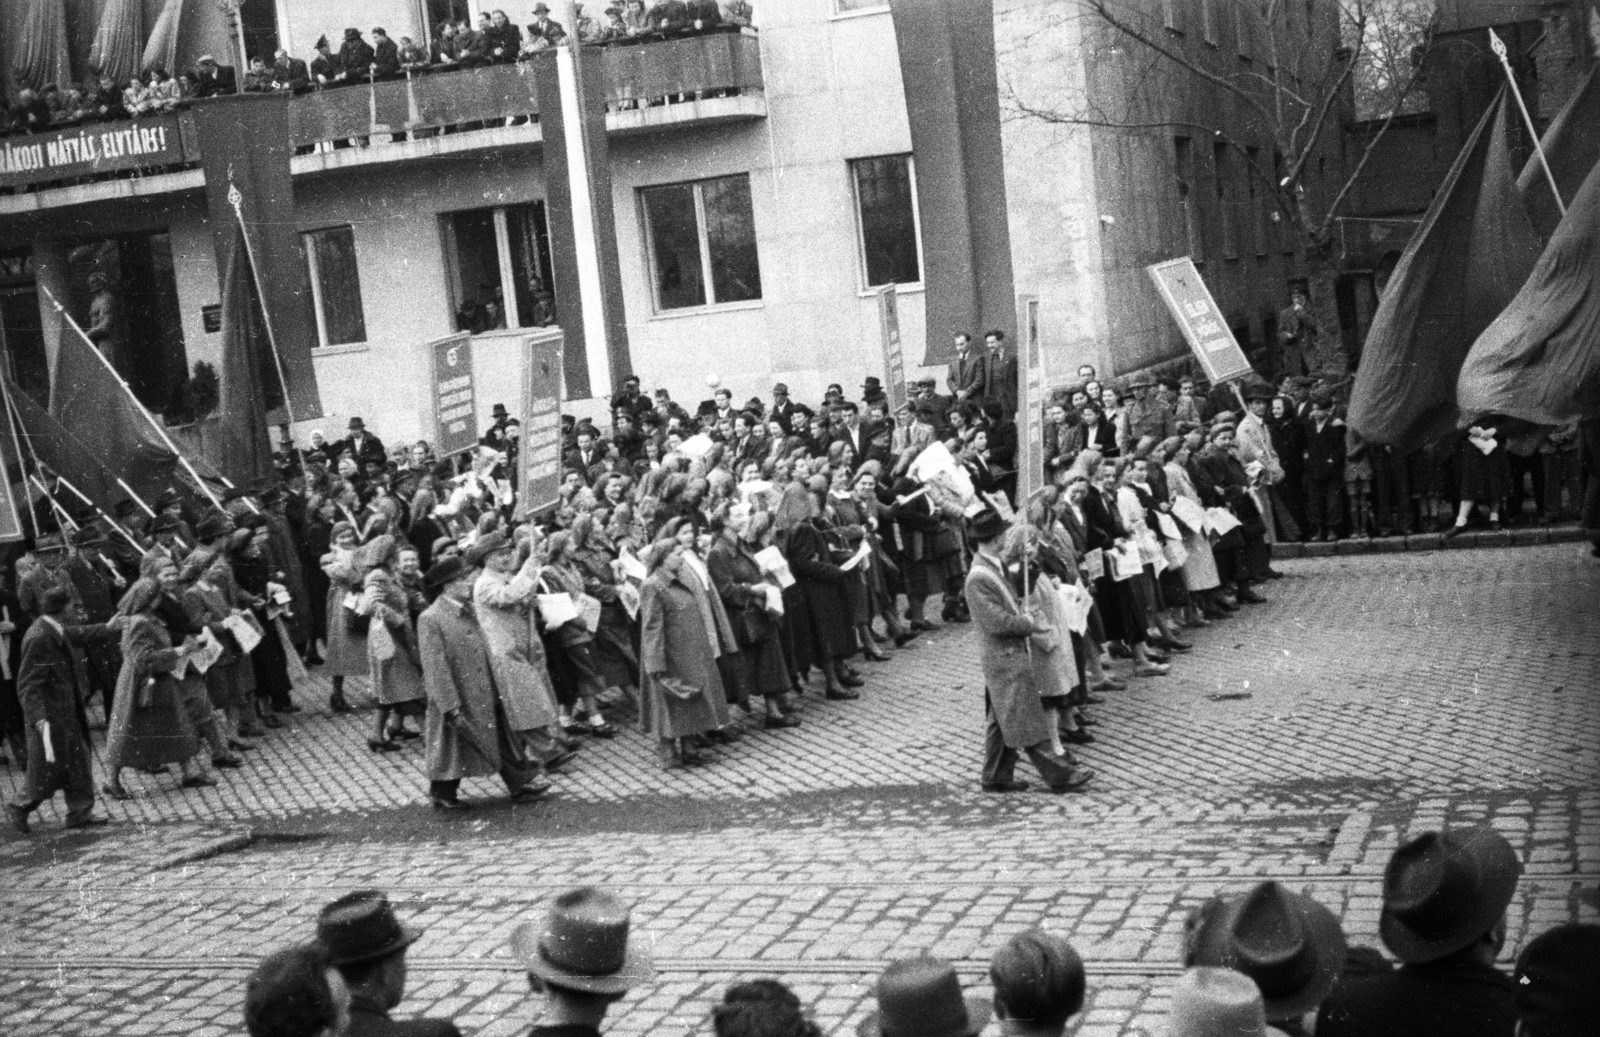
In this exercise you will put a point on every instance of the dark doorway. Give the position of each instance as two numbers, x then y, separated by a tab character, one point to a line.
144	337
260	24
21	334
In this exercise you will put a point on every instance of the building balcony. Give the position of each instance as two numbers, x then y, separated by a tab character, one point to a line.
691	81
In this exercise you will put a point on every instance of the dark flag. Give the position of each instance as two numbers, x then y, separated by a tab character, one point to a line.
237	444
89	399
947	63
244	141
1468	258
63	453
1572	147
583	235
1540	360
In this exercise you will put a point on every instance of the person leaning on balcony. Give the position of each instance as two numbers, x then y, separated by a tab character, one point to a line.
289	73
503	38
468	46
704	15
543	31
635	19
412	57
356	56
212	79
326	68
669	16
385	55
739	13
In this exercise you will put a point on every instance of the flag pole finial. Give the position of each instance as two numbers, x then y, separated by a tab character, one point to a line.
1498	45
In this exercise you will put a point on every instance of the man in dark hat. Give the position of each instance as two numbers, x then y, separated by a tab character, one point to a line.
467	733
1297	335
51	685
504	435
582	960
1016	720
1325	443
630	399
1445	896
211	79
96	592
367	944
361	445
356	56
325	67
935	409
544	31
872	391
783	408
923	996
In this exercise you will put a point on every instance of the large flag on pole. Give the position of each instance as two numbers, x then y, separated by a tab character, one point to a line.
1540	359
947	63
1465	263
237	444
583	235
65	454
1572	146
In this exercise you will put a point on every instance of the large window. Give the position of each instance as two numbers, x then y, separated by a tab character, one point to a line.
859	6
701	239
886	202
335	286
499	268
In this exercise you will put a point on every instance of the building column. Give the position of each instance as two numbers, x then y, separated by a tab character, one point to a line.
51	271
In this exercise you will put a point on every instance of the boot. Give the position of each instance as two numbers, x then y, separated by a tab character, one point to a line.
1144	667
338	703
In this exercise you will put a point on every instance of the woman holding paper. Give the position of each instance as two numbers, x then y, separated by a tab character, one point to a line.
680	644
1120	611
595	558
754	605
392	657
210	604
848	547
347	633
1200	568
821	625
573	633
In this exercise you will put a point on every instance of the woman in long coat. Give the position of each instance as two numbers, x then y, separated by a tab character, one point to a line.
148	726
209	601
758	668
574	640
679	646
347	648
818	588
593	556
391	644
504	596
1200	577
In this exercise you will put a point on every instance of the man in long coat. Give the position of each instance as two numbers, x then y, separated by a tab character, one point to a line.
51	685
467	734
1016	720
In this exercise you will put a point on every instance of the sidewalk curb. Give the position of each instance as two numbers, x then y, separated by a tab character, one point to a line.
1521	537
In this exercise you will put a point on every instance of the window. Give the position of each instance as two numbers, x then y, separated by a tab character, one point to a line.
498	262
886	202
1222	169
701	241
1169	15
258	23
859	6
1243	29
1183	150
1258	201
335	286
1208	22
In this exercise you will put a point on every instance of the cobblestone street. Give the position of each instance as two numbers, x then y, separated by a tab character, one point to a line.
1375	697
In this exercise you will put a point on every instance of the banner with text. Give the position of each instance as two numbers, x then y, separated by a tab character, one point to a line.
1030	452
93	149
894	364
541	421
1203	325
455	397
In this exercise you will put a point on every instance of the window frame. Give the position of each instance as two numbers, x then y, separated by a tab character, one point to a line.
703	236
313	266
880	7
505	263
864	277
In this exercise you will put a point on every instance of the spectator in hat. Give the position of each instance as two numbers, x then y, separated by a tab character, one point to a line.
296	992
1143	415
361	446
967	371
1445	896
367	944
356	56
1556	992
1038	984
326	69
212	79
1297	336
783	408
1324	469
385	55
630	399
51	685
582	960
543	31
467	732
761	1008
1290	945
872	392
1216	1002
1016	719
922	997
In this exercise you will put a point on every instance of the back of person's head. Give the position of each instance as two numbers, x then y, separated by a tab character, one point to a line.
761	1008
290	995
1038	979
992	410
54	601
1556	992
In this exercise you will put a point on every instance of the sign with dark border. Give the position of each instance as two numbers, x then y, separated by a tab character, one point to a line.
541	421
92	149
1203	325
455	395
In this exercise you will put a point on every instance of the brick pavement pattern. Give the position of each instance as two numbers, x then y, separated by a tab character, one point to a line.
1375	698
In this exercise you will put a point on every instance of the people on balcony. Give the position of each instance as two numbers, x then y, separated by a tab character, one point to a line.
385	55
289	73
356	57
326	67
543	31
212	79
502	38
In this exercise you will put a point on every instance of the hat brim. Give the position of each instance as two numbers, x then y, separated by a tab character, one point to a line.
1497	862
636	967
1323	932
408	935
979	1012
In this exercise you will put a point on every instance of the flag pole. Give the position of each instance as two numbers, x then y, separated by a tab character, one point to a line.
160	430
1498	45
136	498
16	443
113	523
61	512
237	200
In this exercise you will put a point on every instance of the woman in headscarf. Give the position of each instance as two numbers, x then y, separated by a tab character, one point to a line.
151	723
255	570
819	584
688	532
758	667
392	656
347	628
594	557
681	642
209	598
575	643
424	529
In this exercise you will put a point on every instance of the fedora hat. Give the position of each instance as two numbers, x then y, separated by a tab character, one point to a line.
487	545
361	926
500	411
445	571
583	944
1259	391
1290	945
356	423
921	997
1215	1002
1443	890
987	524
1142	381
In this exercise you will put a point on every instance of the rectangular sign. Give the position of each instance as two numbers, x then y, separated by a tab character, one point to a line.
93	148
1203	325
894	364
455	398
541	421
1030	431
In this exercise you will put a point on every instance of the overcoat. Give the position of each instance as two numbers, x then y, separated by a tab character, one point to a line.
148	723
231	680
1003	636
51	682
391	643
456	669
675	643
736	573
347	651
516	652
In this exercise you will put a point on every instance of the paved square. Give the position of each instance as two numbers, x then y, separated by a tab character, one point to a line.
1376	697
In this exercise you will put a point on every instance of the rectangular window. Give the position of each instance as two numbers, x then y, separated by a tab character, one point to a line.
498	262
701	241
859	6
886	204
1188	204
1258	201
1208	22
1243	29
1222	170
335	285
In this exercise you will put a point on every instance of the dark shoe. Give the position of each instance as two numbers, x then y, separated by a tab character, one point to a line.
1226	606
313	659
1119	650
962	616
272	721
383	745
922	624
528	793
600	730
692	758
339	704
453	804
88	821
198	781
1079	778
115	791
560	760
1151	670
773	723
405	734
881	639
1273	574
1250	597
1172	644
241	745
721	736
875	654
1109	684
1004	786
252	731
1093	700
850	680
1085	720
903	639
290	708
842	695
19	818
1078	737
228	763
1155	655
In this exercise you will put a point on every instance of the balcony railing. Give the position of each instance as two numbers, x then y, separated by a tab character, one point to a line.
638	76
